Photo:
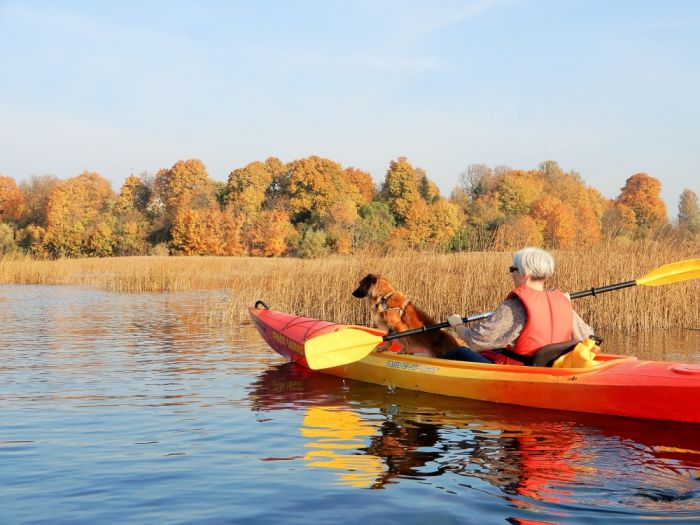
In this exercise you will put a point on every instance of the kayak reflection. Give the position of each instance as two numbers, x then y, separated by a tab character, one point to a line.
370	437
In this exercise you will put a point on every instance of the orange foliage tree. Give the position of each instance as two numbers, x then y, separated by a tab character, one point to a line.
186	185
556	221
362	181
75	208
11	200
207	232
247	187
268	234
518	232
36	197
641	193
312	186
340	225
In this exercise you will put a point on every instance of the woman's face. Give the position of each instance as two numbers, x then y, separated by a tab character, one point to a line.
518	278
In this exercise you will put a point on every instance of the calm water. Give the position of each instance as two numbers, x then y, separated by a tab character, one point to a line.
125	408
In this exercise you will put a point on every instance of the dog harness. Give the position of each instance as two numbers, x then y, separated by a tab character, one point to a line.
382	305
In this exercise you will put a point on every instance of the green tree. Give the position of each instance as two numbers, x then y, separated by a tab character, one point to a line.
374	226
313	244
689	214
7	239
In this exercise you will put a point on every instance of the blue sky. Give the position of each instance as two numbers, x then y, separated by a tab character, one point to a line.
605	88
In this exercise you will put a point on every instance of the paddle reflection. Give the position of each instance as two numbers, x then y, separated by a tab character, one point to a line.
371	438
336	439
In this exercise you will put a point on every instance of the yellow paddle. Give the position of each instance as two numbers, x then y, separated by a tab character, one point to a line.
351	344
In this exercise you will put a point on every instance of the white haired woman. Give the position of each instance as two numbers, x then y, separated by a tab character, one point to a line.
529	318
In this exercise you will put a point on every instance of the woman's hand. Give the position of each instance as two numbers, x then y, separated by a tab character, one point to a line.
455	320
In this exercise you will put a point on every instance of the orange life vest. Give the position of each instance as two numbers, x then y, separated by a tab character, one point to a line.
550	318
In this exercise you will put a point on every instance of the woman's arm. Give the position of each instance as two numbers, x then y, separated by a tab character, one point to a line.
496	331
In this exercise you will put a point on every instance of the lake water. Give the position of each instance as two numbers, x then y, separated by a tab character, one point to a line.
126	408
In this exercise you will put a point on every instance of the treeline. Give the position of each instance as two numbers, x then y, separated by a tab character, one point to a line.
313	207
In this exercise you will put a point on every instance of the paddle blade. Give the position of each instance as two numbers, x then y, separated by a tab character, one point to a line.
672	273
347	345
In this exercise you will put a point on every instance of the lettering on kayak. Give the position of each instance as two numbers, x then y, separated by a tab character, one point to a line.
288	343
412	367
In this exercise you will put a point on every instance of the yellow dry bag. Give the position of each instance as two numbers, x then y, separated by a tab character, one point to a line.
582	356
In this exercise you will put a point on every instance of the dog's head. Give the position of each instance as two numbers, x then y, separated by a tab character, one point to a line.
365	285
372	286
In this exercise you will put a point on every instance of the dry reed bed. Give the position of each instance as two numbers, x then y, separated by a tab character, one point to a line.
466	283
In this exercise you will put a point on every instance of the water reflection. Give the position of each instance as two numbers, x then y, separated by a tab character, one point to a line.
371	438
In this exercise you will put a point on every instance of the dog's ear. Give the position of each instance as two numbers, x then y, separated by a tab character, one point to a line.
365	284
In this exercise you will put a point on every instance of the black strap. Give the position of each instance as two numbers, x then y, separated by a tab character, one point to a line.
527	360
545	356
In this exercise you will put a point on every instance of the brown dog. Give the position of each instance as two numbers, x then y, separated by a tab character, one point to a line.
391	311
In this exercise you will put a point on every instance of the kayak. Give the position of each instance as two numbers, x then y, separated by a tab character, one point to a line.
615	385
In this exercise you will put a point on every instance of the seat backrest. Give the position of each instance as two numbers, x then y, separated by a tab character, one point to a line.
546	355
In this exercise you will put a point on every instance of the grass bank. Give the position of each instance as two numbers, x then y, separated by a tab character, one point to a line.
466	283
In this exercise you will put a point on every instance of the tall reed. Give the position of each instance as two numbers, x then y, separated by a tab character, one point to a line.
465	283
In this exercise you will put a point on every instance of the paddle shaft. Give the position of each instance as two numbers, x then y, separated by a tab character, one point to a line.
575	295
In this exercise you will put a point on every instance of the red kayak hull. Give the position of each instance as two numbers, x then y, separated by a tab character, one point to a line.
618	386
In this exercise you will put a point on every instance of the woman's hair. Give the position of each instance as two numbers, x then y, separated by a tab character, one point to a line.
534	262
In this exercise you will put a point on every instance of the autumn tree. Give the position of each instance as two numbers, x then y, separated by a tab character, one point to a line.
11	200
641	193
400	190
36	197
186	185
340	224
689	214
517	191
134	195
518	232
618	221
33	239
416	230
556	221
75	209
269	233
248	187
131	225
362	182
312	185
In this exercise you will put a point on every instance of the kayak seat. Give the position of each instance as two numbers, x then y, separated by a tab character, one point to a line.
546	355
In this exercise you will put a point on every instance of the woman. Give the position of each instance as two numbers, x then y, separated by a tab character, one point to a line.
527	320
